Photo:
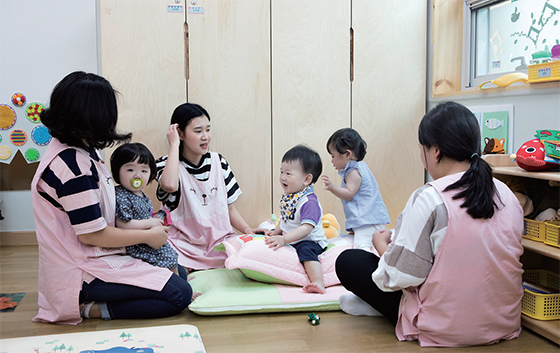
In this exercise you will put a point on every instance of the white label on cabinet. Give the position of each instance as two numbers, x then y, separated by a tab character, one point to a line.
175	8
196	9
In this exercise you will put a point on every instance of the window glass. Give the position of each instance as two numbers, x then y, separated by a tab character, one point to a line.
511	29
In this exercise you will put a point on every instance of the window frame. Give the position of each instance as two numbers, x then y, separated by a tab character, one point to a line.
469	81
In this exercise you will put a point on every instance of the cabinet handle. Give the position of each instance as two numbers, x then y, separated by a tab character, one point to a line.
351	54
186	32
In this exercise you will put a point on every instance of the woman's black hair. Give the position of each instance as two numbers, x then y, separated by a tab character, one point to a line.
183	114
454	130
348	139
83	112
309	160
132	152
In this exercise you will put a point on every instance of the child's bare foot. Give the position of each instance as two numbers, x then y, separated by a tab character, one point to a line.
195	295
314	288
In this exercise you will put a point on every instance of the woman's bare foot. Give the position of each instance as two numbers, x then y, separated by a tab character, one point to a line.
314	288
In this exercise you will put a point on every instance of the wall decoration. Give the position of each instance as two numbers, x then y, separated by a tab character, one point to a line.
5	152
40	135
7	117
18	99
19	131
18	137
496	128
33	110
32	154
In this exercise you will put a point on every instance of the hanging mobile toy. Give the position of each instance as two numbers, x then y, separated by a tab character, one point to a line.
313	319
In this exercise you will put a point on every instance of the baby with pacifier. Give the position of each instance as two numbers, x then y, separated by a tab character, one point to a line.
133	167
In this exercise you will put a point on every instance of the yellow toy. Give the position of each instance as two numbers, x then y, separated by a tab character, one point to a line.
508	79
331	226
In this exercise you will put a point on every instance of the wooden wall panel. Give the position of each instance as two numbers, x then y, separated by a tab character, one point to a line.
310	84
142	55
447	39
229	74
389	92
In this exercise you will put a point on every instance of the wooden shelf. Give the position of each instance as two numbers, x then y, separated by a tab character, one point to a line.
541	248
516	171
546	328
503	165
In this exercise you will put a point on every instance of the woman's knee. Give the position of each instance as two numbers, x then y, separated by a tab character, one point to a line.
345	262
181	293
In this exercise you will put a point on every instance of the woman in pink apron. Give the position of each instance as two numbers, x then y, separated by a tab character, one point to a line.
450	275
83	267
199	190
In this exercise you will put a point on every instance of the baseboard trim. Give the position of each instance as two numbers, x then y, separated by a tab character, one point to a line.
18	238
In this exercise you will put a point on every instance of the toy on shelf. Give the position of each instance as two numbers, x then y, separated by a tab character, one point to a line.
508	79
541	153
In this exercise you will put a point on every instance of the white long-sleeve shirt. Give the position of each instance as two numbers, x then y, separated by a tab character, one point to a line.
419	231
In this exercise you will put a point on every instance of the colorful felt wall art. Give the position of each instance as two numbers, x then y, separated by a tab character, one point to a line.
26	135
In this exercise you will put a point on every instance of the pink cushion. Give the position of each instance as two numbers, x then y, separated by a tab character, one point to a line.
256	260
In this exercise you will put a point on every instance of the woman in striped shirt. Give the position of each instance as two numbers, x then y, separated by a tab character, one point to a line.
83	267
199	190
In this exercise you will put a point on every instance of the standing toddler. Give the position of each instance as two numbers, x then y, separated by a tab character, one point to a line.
363	205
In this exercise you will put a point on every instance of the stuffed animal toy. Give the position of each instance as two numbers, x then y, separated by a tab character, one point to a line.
530	156
331	226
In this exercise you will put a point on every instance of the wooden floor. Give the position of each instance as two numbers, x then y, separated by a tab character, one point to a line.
288	332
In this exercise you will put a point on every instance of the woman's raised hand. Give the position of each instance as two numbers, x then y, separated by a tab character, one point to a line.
173	135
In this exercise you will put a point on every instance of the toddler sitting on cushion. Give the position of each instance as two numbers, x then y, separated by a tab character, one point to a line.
301	212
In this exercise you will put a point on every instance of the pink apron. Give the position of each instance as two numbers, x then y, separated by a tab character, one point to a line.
65	262
201	220
472	295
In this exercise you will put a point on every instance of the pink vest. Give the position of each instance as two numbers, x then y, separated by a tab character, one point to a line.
201	220
472	295
65	262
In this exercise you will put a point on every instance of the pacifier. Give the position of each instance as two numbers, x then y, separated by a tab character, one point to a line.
136	183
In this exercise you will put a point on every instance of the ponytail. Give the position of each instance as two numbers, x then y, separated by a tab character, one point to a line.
477	189
453	128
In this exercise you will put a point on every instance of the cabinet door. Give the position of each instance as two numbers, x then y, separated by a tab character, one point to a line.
389	92
229	75
142	56
310	84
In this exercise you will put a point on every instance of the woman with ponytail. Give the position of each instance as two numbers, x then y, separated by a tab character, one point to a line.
450	275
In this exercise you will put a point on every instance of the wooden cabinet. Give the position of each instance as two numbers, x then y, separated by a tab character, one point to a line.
273	74
537	254
299	70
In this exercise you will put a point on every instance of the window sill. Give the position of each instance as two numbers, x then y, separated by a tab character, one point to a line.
515	89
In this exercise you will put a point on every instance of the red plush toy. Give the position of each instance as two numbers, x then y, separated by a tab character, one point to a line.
530	156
